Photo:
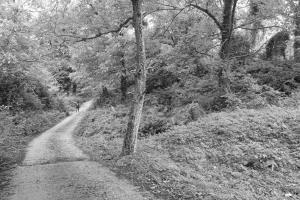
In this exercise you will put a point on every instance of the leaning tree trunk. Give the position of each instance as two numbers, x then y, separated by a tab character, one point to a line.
297	33
135	114
227	26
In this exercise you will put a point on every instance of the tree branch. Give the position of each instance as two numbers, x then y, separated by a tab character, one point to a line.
97	35
167	5
160	9
263	27
172	20
206	11
232	16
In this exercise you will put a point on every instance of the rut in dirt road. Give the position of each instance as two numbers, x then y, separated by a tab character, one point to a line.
55	169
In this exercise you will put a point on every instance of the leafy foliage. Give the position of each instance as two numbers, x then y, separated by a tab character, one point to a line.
154	128
17	130
62	76
22	92
249	147
161	79
221	145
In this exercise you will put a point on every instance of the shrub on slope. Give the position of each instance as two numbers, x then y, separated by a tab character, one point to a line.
246	154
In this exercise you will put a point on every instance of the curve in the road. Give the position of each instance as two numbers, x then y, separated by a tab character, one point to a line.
55	169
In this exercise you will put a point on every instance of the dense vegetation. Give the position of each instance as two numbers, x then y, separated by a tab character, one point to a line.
30	101
194	99
245	154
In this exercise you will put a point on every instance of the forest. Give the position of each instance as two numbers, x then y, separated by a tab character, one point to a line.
192	99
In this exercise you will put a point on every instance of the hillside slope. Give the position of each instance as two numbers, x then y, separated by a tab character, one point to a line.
246	154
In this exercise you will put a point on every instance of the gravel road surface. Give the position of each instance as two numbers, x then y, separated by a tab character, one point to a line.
55	169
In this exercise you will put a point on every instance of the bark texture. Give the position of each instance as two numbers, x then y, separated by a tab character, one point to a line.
135	114
123	80
254	10
227	26
297	33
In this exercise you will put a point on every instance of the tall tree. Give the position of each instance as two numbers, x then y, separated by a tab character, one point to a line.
123	80
254	11
227	26
130	140
297	33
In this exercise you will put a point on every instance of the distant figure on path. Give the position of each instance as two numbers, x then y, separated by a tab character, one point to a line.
77	106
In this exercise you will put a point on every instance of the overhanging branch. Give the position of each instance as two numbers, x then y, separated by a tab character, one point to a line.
172	20
206	11
97	35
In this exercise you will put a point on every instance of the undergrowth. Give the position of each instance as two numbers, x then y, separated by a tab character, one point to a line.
246	154
17	130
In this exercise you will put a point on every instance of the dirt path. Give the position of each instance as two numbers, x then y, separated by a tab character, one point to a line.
55	169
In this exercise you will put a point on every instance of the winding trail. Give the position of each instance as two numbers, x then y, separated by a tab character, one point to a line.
55	169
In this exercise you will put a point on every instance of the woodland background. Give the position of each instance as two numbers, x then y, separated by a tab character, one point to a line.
221	110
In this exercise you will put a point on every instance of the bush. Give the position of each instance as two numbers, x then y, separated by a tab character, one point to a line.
29	123
200	70
195	111
280	75
227	101
58	104
104	121
160	80
21	91
17	130
244	92
107	98
213	158
239	46
154	128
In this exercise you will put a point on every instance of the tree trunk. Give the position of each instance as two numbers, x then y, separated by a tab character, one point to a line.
123	81
135	114
297	33
74	88
227	26
254	10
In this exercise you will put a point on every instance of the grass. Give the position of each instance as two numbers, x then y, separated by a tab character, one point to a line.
16	132
245	154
